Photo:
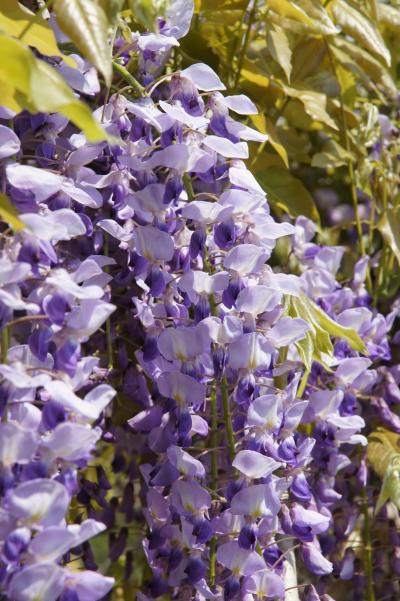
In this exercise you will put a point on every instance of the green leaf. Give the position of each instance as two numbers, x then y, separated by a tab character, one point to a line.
365	66
314	104
86	24
336	330
287	193
331	155
355	24
322	23
384	455
111	8
31	29
389	16
317	345
42	89
290	10
9	214
278	45
389	227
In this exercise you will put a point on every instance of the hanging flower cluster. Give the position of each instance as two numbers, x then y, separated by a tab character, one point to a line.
245	377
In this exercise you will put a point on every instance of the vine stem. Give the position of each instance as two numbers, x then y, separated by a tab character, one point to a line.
367	547
110	353
5	343
128	77
350	167
245	45
228	418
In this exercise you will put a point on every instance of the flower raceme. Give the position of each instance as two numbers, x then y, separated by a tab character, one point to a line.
160	243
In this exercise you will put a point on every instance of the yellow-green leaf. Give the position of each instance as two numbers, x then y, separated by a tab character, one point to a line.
389	16
278	45
314	104
336	330
31	29
42	89
331	155
389	227
355	24
322	23
290	10
384	455
86	24
9	214
287	192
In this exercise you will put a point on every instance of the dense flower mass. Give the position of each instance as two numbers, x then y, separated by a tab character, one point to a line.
145	270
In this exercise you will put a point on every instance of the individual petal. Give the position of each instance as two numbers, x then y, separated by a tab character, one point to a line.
40	501
257	299
180	343
250	351
254	465
205	212
153	244
51	544
17	445
40	182
240	103
181	387
352	368
189	496
9	142
88	585
259	500
287	330
264	412
241	562
70	441
185	463
42	581
226	148
265	584
179	15
203	77
246	259
315	561
88	318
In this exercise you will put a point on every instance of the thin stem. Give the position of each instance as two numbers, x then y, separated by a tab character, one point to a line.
110	353
303	383
32	22
188	186
245	45
128	77
108	91
5	343
353	187
228	418
367	547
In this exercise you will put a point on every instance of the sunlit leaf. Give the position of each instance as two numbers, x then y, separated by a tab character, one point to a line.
287	192
314	104
9	214
86	24
355	24
331	155
384	456
278	45
389	227
365	66
291	10
389	16
42	89
322	23
31	29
